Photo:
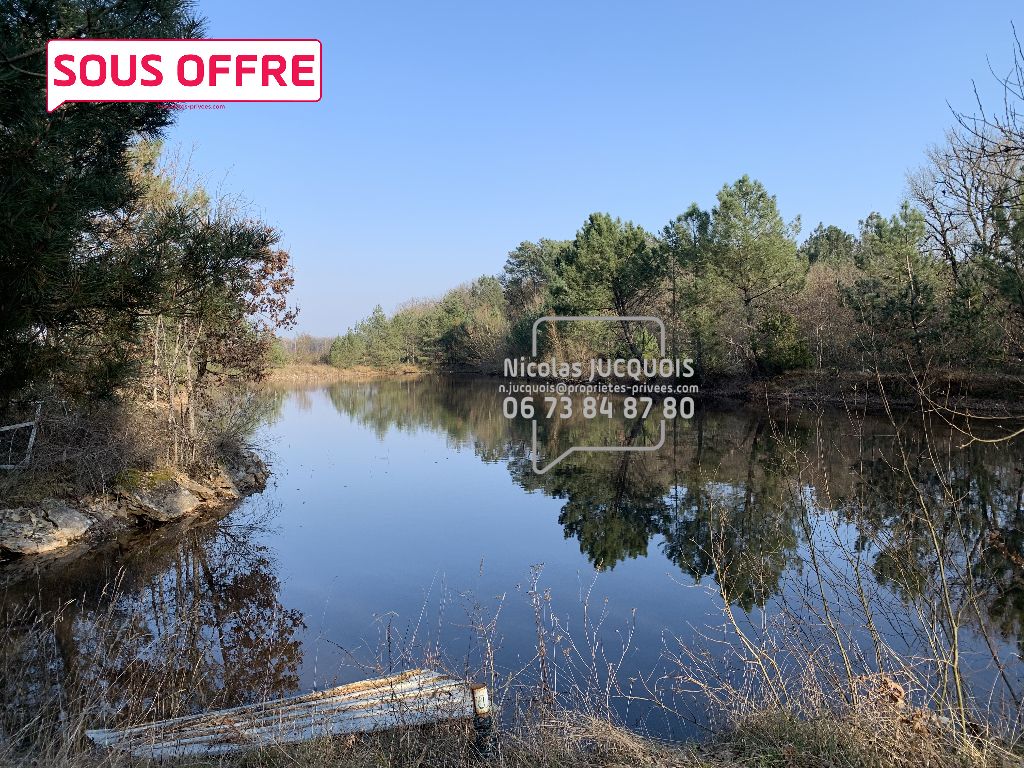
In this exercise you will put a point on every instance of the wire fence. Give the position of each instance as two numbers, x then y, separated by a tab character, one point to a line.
17	441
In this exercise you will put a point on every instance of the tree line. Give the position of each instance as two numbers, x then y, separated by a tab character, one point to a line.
936	285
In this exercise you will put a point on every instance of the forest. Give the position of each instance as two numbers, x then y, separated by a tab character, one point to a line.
936	287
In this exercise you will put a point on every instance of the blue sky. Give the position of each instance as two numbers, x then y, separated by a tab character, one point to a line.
450	132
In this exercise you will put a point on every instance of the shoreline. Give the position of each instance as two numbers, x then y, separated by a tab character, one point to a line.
954	391
322	373
63	528
55	531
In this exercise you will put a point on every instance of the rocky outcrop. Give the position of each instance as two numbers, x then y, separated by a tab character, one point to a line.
53	524
162	504
247	473
35	530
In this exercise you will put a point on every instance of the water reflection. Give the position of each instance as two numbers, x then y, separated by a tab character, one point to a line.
159	624
893	518
729	494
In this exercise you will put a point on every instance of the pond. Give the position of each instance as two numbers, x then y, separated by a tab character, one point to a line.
405	525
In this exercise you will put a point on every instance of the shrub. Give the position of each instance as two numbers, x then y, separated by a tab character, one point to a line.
778	345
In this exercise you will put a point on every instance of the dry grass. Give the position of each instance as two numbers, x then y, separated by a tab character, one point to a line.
324	374
48	704
568	741
81	449
872	734
85	449
572	740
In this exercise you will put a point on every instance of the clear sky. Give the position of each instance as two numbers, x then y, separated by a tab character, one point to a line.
450	132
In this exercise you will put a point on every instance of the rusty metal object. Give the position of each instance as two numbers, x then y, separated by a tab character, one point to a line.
411	698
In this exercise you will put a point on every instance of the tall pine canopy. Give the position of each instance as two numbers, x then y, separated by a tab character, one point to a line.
71	294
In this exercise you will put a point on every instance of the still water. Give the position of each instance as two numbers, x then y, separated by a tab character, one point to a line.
404	525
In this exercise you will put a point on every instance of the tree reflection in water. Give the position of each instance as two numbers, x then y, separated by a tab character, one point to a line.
740	495
186	621
868	514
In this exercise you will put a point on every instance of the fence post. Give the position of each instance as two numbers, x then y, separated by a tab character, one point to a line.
483	721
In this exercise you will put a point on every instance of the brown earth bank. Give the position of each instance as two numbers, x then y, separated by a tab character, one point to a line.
326	374
55	530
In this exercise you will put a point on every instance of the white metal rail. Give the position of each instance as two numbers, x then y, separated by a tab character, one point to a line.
34	426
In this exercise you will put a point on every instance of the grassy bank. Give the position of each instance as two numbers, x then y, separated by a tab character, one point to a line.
580	741
566	738
102	469
316	373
